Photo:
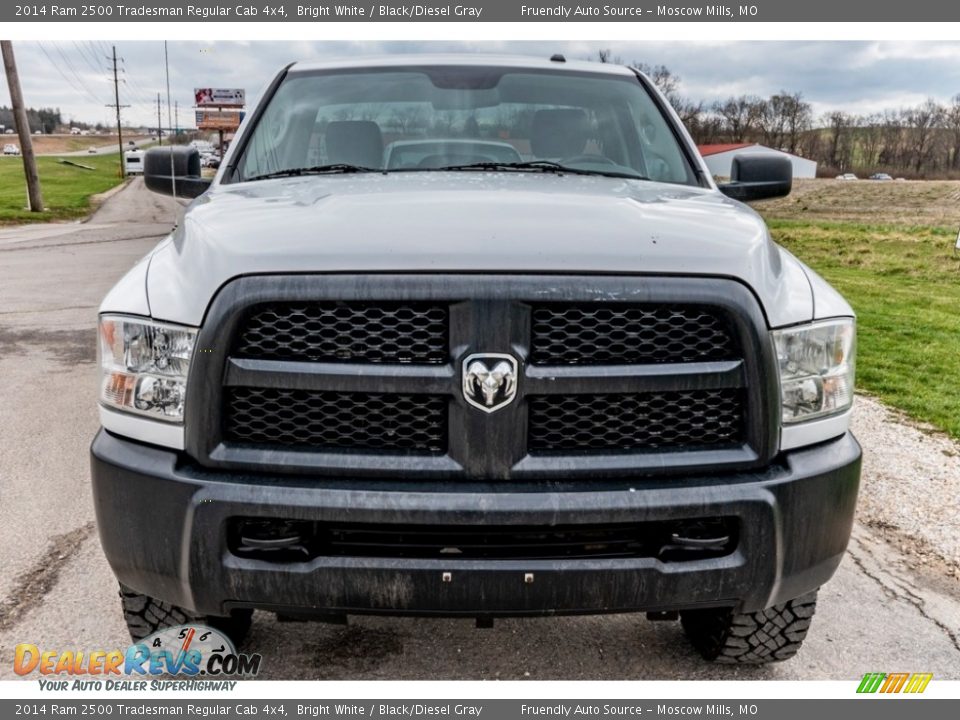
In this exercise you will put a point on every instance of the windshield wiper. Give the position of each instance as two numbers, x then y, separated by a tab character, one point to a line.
547	166
332	169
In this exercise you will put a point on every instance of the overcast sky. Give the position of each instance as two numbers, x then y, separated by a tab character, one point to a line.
859	77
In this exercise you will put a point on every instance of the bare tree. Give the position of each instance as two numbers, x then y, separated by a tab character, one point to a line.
771	121
667	82
924	139
606	56
407	119
741	116
690	112
871	140
952	122
839	126
922	122
891	153
660	75
798	119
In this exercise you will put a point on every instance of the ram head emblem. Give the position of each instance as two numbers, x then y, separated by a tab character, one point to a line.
489	380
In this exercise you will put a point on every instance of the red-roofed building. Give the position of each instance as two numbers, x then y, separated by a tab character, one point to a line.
719	158
706	150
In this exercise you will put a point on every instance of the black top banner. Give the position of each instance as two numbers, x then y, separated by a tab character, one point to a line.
480	11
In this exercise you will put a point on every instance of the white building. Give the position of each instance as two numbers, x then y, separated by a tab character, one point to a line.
719	158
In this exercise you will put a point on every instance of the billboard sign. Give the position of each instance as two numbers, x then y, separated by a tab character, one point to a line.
226	120
219	97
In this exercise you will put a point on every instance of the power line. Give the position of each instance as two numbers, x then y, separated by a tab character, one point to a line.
136	95
67	80
73	70
91	63
139	96
77	83
94	51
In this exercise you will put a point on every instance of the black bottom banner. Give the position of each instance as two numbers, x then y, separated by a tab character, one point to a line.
876	708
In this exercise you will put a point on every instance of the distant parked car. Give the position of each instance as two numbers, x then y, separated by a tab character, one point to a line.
847	176
91	150
11	149
880	176
131	143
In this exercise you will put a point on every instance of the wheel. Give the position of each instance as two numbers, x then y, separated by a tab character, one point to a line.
770	635
145	615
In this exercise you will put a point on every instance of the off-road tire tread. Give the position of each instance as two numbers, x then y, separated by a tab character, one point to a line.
770	635
145	615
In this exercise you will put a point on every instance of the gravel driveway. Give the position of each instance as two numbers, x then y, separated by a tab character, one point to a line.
910	491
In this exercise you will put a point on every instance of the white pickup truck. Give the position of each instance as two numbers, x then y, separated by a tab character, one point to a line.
537	362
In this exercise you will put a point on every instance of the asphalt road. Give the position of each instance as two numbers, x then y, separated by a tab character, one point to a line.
879	613
100	149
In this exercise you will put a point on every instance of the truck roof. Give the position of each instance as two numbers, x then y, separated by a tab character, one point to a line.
524	62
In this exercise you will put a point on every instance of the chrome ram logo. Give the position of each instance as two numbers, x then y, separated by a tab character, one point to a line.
489	380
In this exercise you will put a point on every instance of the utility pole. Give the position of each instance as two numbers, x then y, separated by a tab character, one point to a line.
159	124
117	105
176	118
23	128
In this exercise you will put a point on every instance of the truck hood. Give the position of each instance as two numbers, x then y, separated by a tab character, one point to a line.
437	222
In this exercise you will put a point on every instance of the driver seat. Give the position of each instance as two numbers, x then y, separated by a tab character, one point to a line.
559	133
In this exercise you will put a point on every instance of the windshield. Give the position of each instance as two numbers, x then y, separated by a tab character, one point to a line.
434	118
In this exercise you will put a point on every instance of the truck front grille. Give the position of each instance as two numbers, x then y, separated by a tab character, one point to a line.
346	332
345	377
332	420
588	334
636	421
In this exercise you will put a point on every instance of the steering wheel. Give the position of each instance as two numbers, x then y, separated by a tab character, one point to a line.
588	160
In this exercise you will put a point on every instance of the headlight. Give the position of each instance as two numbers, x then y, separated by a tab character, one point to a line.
144	366
816	368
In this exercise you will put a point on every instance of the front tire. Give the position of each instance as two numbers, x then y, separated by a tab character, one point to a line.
146	615
770	635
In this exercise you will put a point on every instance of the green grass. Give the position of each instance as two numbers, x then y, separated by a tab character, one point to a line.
904	284
66	189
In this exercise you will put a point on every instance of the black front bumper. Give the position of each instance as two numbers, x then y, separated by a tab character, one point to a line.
163	526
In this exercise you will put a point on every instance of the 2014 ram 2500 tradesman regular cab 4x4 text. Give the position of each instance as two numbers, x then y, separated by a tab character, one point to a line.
468	336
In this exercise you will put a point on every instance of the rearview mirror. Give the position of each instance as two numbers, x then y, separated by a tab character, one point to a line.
758	177
174	170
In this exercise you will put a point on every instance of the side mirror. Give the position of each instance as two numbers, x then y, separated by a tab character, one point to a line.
758	177
174	170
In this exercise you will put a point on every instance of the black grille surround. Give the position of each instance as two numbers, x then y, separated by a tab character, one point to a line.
570	421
